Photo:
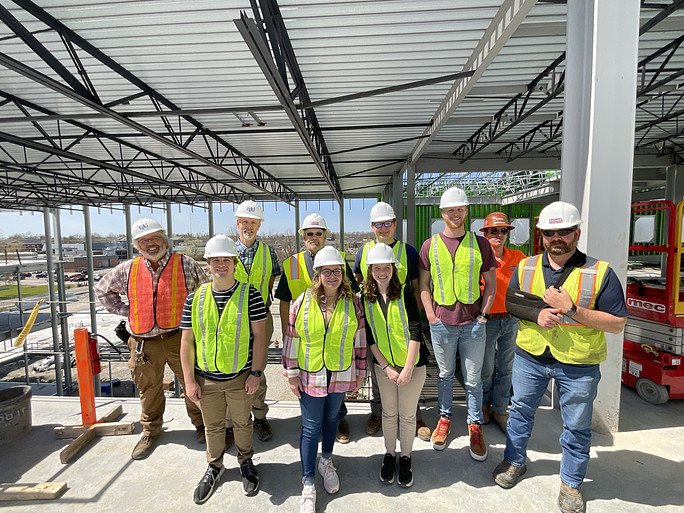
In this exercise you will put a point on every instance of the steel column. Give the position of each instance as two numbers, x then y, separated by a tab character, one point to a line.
61	294
91	285
53	303
410	235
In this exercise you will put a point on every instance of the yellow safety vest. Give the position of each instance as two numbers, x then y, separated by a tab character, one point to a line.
399	252
569	341
259	272
330	347
297	274
458	278
221	345
391	333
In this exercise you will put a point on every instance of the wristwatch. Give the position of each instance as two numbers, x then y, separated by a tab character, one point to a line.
256	374
571	313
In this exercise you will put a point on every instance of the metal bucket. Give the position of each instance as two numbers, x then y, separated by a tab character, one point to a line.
15	413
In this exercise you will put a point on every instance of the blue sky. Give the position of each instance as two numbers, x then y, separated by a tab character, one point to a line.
279	218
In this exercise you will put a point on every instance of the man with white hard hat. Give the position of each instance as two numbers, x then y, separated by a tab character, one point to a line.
258	265
452	265
156	285
383	222
296	278
223	356
567	342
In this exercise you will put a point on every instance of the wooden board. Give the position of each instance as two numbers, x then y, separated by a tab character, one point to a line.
108	429
31	491
71	450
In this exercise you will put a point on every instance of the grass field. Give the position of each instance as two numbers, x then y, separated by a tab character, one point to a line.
10	291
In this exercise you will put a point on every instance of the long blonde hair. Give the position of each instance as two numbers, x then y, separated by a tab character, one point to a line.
317	286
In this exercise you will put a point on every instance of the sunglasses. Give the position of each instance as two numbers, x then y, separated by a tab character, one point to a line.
386	224
563	233
314	234
497	231
327	273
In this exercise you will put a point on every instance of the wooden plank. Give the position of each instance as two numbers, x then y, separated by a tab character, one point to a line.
114	414
31	491
71	450
108	429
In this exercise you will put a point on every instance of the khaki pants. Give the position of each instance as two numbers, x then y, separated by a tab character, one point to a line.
259	406
216	397
149	378
399	409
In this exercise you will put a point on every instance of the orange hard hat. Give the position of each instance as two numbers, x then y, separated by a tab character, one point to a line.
496	219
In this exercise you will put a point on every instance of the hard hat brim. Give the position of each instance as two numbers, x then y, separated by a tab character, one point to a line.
380	219
219	254
147	232
454	204
250	216
557	226
498	225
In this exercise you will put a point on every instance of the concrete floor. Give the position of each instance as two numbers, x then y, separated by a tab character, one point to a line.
640	469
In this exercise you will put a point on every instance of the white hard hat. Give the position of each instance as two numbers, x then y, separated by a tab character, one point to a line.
220	246
380	254
313	221
250	209
382	211
328	256
558	215
454	197
145	226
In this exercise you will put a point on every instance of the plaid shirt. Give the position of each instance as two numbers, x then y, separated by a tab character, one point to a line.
247	257
316	384
115	284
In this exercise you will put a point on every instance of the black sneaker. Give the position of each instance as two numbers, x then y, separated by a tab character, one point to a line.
208	484
405	478
250	478
389	467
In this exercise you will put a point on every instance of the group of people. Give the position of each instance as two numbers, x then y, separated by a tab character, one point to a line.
341	325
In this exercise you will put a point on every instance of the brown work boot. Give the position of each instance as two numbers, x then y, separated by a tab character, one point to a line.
144	447
501	420
201	436
507	475
570	499
439	435
486	414
342	432
478	448
422	430
230	438
263	429
373	424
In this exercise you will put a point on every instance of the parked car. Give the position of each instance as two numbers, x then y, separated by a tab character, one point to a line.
41	274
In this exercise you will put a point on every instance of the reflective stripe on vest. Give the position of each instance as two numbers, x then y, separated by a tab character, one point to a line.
259	272
330	347
221	344
162	307
458	278
298	279
399	252
569	341
391	333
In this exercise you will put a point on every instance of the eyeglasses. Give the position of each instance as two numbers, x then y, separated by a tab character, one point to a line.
497	231
563	232
327	273
152	240
386	224
314	234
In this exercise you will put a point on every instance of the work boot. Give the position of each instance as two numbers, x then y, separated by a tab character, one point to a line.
486	414
501	420
144	447
342	432
263	429
507	475
373	424
422	430
230	438
201	436
570	499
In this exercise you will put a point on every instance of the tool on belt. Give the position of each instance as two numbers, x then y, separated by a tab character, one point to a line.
140	357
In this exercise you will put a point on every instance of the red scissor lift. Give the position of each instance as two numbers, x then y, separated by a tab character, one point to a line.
654	334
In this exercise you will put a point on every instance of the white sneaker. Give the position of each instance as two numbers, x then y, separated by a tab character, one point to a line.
308	501
331	482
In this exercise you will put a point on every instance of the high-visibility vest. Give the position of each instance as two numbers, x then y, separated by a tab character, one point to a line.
391	333
569	341
331	347
221	344
260	271
458	278
297	274
399	252
162	306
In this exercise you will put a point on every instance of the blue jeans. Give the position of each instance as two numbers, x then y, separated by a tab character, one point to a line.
469	340
576	393
319	418
499	352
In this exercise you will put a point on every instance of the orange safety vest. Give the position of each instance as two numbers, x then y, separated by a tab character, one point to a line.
162	306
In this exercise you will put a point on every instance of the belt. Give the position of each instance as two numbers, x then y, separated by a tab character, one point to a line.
499	315
162	336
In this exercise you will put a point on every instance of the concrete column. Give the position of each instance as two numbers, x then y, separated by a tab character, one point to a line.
398	203
674	184
53	302
598	145
410	235
129	237
210	217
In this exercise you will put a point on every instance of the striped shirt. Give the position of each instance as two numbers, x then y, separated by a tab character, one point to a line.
317	384
247	257
114	285
257	312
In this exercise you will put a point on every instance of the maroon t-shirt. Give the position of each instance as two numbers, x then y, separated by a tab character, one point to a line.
458	313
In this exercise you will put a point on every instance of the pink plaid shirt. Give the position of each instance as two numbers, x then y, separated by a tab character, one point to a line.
316	384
